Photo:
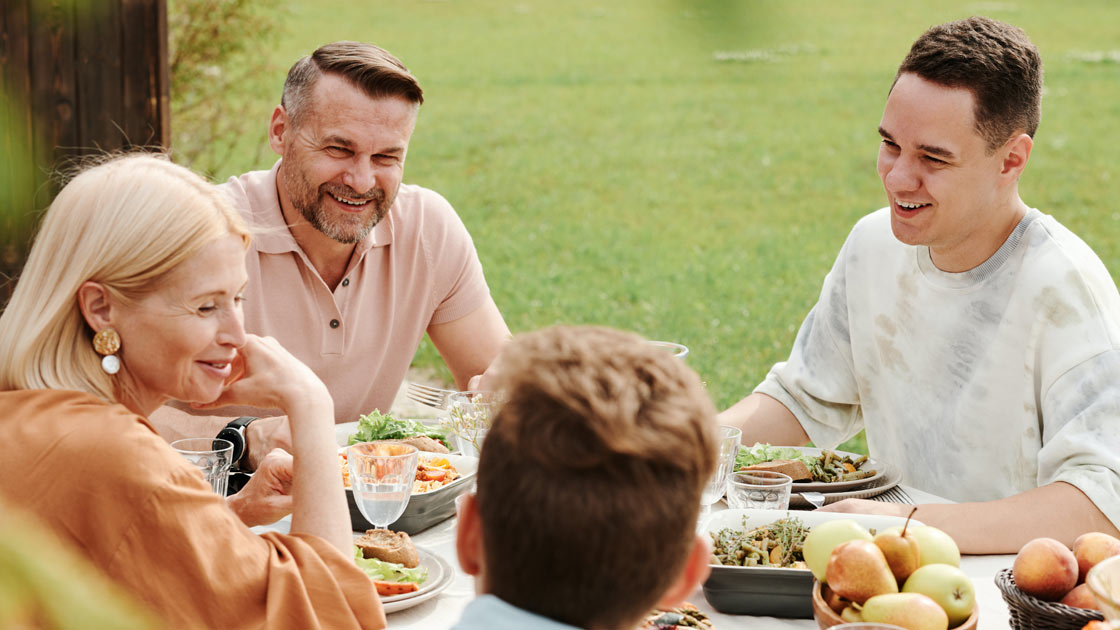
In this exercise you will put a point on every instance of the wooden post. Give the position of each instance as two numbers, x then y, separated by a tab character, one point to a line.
77	77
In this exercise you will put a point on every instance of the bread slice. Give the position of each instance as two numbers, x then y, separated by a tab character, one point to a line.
388	546
795	468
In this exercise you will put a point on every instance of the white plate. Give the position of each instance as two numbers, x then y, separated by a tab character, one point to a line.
440	576
892	476
837	486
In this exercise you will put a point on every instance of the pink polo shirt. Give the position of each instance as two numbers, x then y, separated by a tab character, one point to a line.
417	267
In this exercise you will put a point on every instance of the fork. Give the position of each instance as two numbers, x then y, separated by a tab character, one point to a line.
428	395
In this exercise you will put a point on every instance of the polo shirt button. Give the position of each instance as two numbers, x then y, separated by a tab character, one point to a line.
334	323
346	282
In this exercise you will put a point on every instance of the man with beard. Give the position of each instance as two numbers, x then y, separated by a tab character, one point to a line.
349	267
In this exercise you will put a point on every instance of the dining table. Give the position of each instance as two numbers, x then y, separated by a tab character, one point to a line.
442	611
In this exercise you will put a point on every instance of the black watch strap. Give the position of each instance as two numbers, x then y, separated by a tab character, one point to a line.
235	433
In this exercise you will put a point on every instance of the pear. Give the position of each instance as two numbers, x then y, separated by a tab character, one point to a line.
900	550
823	538
912	611
858	570
851	614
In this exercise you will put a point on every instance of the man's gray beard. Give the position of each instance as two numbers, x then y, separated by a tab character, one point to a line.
320	221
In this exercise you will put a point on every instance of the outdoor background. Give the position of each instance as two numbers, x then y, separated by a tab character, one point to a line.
684	170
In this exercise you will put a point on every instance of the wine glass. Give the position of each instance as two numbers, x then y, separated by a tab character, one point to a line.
381	478
679	351
729	438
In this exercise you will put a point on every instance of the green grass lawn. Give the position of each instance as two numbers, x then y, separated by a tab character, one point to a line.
689	170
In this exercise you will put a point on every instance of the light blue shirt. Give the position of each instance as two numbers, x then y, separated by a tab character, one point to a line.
487	612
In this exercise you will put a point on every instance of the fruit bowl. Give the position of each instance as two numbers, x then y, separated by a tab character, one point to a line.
1031	613
826	617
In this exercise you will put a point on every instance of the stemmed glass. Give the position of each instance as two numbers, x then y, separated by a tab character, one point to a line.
381	478
714	489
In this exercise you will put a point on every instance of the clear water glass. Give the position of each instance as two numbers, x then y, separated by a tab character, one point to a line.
728	448
679	351
213	456
759	489
469	416
381	478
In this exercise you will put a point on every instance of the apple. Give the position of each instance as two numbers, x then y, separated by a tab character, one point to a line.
1045	568
934	545
912	611
1091	548
948	586
857	570
1081	597
822	539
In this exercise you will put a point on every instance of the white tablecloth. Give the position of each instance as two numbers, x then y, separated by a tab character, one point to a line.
443	611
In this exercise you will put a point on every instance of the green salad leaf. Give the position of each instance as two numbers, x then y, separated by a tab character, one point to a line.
761	452
383	426
388	571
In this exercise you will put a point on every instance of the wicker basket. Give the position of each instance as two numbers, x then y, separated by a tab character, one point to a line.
1031	613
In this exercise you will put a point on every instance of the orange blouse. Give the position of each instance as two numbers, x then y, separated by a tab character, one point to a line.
101	477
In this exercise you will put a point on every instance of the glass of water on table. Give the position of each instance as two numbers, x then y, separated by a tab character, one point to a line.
381	478
759	489
729	438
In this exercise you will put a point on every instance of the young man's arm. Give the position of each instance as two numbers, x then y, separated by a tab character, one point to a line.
470	344
764	419
1057	510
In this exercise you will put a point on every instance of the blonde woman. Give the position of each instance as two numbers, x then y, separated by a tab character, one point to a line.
132	297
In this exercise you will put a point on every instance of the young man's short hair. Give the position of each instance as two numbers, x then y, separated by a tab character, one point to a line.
371	68
590	476
995	61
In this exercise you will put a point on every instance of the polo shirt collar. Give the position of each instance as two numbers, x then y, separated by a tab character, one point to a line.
272	235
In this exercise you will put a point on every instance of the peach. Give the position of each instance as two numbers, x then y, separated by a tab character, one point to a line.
1081	597
1091	548
1045	568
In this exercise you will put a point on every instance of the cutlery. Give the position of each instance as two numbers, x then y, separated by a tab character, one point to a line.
815	498
428	395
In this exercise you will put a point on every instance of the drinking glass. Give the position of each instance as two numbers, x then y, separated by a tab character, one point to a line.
759	489
213	456
679	351
381	478
714	489
469	415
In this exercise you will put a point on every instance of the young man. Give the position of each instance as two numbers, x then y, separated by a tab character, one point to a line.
588	485
973	337
350	267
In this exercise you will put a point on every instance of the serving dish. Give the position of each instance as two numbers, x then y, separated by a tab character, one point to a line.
344	430
427	508
771	591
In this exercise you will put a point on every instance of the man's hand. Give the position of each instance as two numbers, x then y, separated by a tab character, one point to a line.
865	506
265	434
266	498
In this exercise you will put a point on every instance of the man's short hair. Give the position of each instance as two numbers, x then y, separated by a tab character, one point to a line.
995	61
369	67
590	476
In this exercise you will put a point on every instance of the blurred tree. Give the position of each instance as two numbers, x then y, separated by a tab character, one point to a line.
217	65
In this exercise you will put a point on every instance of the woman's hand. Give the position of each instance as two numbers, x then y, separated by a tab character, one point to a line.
266	375
266	498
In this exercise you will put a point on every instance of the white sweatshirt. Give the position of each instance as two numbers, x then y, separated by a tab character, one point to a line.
979	385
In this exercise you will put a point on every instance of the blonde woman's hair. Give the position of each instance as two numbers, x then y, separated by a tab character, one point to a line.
124	223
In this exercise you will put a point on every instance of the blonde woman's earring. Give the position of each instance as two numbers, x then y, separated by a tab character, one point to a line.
106	343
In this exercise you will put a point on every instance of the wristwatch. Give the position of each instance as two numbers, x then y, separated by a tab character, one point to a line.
235	433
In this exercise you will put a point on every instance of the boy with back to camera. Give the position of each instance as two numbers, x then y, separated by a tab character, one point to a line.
588	485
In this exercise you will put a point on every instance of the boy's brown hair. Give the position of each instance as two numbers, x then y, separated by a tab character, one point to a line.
373	69
995	61
590	476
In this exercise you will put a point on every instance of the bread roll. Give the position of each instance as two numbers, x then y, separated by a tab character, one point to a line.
388	546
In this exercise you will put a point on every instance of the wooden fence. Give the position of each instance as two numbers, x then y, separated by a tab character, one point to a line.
76	77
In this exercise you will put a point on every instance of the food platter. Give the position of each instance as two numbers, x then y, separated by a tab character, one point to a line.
890	478
344	430
440	576
772	591
837	486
